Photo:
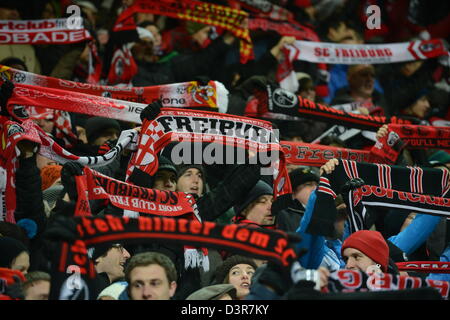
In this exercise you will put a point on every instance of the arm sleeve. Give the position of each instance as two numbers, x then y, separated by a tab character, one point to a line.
416	233
314	244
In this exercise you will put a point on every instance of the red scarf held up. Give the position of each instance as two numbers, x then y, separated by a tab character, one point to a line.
424	266
201	12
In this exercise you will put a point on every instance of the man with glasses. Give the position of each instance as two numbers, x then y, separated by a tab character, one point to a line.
109	261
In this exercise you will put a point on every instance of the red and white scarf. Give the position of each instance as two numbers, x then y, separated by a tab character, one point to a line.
202	126
51	31
334	53
177	95
424	266
263	9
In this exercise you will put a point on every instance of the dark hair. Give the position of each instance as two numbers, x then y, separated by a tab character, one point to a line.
12	61
147	258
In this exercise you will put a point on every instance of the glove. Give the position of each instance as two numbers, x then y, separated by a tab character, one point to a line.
277	276
352	184
202	80
6	91
68	171
151	111
61	228
106	147
15	290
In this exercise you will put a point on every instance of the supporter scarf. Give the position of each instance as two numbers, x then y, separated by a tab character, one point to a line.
13	132
354	281
7	278
422	137
424	266
178	95
51	31
334	53
427	182
123	66
202	126
192	10
388	148
73	273
283	28
316	155
258	243
135	198
264	9
277	101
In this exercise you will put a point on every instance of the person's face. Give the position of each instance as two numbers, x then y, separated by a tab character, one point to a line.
43	161
39	290
240	276
261	211
113	262
420	108
304	190
46	125
165	180
108	134
410	68
356	260
362	82
201	36
191	182
21	262
150	283
308	93
156	35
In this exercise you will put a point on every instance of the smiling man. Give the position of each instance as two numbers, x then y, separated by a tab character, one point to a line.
109	260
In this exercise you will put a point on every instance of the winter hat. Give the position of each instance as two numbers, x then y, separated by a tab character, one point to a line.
182	168
10	248
261	188
96	125
98	250
49	174
300	176
166	164
223	269
371	243
440	156
213	292
193	27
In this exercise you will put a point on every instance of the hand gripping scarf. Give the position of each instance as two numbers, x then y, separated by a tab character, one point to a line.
13	132
202	126
396	186
354	281
276	103
178	95
334	53
192	10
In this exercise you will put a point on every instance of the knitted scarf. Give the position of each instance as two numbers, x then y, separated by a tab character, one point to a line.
316	155
13	132
192	10
263	9
424	266
334	53
277	101
422	137
178	95
202	126
51	31
390	183
354	281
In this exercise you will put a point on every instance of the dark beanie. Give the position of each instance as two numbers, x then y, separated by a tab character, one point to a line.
182	168
261	188
371	243
9	249
97	125
98	250
300	176
223	269
166	164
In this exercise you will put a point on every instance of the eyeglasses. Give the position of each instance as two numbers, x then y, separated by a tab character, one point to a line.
118	246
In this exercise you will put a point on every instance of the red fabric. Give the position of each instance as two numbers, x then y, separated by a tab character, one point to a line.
371	243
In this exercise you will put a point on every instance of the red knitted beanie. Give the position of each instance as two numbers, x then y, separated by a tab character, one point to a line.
372	244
